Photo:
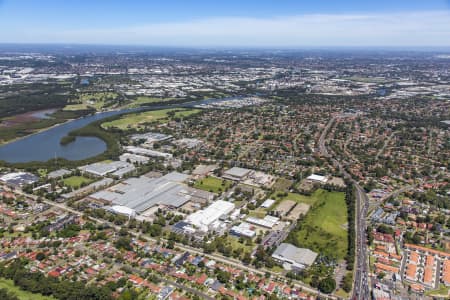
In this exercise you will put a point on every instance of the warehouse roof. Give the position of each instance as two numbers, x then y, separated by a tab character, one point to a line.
142	193
315	177
301	256
203	218
19	178
237	172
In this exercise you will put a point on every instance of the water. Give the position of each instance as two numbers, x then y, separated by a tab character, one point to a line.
45	145
43	114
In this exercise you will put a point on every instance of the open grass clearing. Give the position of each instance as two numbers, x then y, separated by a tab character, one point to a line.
136	120
143	100
322	230
22	295
76	181
282	184
236	244
443	291
212	184
97	100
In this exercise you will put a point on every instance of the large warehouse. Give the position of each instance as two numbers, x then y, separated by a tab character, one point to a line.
203	219
294	258
140	194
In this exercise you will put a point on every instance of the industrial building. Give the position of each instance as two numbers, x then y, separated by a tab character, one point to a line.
267	222
317	178
151	137
268	203
147	152
140	194
207	219
116	168
19	179
58	174
134	158
294	258
236	174
188	143
122	210
244	229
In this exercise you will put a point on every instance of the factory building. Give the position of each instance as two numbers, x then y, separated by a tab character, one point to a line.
294	258
208	218
140	194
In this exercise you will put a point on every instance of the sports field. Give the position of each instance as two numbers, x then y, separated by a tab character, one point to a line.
136	120
324	228
212	184
76	181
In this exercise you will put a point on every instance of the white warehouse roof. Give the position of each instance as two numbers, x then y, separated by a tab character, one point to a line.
268	203
319	178
123	210
204	218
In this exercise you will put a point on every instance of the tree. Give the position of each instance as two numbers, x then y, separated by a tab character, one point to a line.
124	243
327	285
6	295
40	256
223	276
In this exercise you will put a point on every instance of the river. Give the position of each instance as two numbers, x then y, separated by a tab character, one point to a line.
46	145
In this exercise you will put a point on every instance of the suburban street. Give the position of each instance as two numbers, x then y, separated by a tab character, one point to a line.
219	258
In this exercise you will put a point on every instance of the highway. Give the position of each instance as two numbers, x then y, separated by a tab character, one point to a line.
361	283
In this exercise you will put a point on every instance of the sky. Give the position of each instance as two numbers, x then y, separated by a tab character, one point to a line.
228	23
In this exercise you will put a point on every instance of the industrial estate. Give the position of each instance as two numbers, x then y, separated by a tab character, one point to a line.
148	173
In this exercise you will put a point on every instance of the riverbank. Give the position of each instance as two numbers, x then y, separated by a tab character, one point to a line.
41	147
10	135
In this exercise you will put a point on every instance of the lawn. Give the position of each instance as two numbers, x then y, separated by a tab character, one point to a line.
316	196
282	184
324	228
441	292
22	295
212	184
235	244
97	100
136	120
341	293
76	181
143	100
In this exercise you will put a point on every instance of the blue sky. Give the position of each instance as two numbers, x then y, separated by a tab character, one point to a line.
261	23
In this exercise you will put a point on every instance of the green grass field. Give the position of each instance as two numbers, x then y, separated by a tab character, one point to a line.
212	184
143	100
282	184
97	100
76	181
136	120
235	244
324	227
441	292
22	295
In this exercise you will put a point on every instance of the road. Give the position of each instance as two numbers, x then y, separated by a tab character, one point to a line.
219	258
361	279
386	142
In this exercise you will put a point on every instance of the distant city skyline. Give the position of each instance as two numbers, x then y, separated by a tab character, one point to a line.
228	23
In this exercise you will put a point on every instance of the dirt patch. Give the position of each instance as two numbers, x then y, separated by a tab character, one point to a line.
32	116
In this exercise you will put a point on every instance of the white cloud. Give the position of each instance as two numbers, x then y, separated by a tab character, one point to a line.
395	29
